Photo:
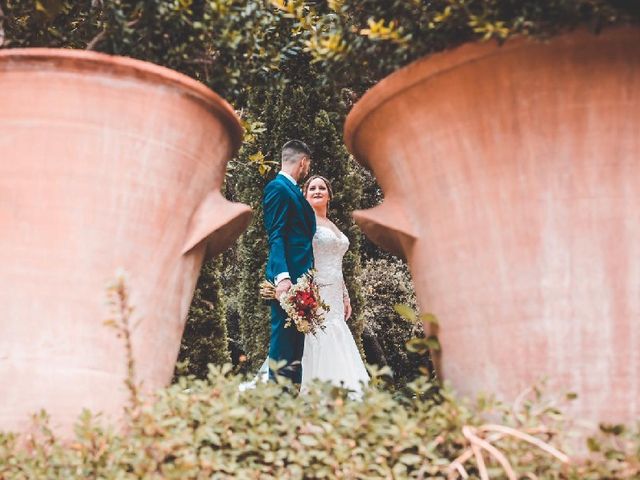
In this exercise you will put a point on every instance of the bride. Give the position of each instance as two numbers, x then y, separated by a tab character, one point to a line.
331	354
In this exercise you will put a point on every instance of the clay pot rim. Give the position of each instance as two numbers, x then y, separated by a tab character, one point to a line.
434	64
403	79
83	60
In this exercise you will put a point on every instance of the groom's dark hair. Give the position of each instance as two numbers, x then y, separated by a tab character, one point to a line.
293	149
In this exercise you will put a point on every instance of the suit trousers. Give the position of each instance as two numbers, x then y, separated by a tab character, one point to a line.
286	343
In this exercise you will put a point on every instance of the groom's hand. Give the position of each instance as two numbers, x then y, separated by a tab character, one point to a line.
283	287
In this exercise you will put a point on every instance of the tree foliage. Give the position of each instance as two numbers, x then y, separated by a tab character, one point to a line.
227	44
368	39
236	46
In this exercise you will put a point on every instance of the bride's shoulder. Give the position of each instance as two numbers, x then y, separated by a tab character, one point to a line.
331	227
336	228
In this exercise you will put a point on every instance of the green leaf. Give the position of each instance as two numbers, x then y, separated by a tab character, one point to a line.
593	445
418	345
410	459
612	429
406	312
308	441
433	343
429	318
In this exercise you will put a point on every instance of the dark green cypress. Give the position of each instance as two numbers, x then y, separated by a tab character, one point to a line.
205	334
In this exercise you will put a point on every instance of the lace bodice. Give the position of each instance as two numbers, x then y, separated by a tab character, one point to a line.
328	250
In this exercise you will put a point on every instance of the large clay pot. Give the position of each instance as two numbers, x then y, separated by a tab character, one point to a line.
106	163
512	186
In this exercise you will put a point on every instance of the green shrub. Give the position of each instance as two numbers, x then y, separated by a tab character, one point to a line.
386	282
209	429
205	335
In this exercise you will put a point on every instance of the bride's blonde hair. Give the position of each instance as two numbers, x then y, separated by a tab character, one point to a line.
305	187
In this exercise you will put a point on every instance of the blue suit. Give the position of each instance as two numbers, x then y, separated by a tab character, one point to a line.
290	223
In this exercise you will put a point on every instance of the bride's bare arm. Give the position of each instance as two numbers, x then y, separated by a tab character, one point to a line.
347	301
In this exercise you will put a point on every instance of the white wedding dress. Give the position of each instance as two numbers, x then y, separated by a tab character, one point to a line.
332	354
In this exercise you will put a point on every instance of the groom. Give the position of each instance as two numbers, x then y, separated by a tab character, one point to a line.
290	224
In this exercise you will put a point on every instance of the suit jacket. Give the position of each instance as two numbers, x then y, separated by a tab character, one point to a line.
290	223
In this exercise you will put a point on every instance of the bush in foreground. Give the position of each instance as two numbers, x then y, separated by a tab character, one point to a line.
209	429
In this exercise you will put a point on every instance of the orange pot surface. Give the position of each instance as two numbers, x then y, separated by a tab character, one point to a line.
106	163
511	186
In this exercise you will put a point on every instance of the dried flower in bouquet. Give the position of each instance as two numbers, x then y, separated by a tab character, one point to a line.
302	303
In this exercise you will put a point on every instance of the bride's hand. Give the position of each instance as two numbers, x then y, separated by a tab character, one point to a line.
347	308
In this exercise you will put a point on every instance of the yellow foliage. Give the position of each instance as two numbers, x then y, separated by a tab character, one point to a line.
185	4
441	17
488	29
330	45
264	165
251	128
257	157
379	31
335	5
293	8
282	5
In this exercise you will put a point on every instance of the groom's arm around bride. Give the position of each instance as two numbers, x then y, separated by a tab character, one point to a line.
290	225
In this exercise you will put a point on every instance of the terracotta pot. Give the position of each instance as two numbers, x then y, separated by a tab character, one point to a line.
511	186
106	163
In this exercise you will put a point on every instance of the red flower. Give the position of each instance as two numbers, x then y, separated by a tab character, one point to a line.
303	296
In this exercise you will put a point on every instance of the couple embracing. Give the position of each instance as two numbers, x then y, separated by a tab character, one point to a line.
301	237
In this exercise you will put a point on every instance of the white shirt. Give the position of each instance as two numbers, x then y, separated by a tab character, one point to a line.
288	177
285	275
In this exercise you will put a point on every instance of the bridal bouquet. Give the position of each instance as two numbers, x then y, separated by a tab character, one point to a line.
302	303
